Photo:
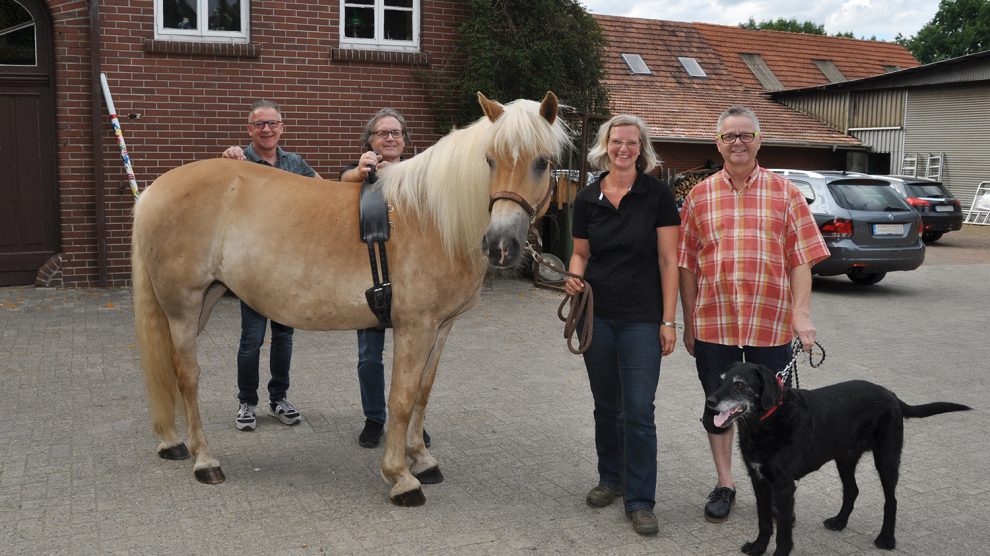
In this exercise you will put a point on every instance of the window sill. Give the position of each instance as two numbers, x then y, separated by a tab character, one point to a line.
380	56
221	49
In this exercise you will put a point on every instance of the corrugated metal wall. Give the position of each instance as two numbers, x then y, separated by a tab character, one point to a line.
884	141
831	108
953	120
883	108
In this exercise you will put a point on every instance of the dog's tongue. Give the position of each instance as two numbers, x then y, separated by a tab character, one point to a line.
721	418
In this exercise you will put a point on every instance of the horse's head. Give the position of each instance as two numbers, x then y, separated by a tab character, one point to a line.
527	137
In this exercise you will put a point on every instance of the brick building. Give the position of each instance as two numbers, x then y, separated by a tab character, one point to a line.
182	74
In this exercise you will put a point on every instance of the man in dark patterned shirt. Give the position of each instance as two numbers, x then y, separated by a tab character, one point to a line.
265	127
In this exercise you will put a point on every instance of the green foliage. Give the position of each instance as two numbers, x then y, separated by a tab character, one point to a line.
523	48
794	26
959	27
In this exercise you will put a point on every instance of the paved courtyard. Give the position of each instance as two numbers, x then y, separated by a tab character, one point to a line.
511	424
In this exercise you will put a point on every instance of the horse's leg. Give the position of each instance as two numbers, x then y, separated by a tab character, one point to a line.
414	346
424	467
155	341
185	328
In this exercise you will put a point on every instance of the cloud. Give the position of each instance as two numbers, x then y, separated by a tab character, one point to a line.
864	18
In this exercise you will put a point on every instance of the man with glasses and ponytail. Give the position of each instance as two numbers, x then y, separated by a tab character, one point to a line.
748	242
265	127
384	140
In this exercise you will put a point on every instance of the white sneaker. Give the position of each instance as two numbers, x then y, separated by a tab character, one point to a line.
245	420
284	411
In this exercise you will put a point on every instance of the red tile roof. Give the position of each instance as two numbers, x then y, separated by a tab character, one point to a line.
678	107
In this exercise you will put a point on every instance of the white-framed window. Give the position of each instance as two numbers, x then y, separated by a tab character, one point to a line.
380	24
202	20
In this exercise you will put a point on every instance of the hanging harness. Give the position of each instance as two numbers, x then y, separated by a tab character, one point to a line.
375	229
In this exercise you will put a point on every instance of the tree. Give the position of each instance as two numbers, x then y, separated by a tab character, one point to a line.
959	27
794	26
523	48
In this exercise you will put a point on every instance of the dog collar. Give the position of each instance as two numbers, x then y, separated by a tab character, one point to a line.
780	402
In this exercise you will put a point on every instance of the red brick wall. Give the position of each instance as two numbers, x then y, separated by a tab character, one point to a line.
195	105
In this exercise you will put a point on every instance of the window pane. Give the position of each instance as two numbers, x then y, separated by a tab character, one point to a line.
398	25
17	41
359	23
399	3
179	14
225	15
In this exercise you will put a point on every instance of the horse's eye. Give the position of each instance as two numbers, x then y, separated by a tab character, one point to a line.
540	164
490	160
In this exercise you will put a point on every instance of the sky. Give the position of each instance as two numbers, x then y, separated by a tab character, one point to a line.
864	18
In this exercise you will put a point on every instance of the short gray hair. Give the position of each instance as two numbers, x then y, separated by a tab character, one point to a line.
369	128
647	159
264	103
737	111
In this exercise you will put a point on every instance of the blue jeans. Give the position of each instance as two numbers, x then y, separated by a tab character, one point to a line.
713	359
253	326
623	365
371	373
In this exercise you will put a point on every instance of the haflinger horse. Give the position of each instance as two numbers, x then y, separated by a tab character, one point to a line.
289	247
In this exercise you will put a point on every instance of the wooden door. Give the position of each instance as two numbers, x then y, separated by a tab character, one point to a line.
28	202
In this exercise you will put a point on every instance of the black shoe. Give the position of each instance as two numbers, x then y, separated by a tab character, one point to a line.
426	438
720	501
371	436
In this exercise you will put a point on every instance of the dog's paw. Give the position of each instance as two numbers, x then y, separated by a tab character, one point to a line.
834	524
886	542
754	548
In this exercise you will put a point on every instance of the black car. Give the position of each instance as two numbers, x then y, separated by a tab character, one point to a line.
940	210
869	229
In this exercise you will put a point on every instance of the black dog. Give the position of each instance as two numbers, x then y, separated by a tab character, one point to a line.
785	434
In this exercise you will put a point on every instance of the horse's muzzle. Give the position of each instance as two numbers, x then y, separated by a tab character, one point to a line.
503	251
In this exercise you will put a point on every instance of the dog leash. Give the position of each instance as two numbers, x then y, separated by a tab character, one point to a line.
784	374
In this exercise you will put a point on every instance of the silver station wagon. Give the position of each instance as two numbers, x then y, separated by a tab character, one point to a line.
869	228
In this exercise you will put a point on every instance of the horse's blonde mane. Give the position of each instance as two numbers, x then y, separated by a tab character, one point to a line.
449	182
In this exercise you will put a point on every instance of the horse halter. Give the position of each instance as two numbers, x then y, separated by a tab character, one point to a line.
522	202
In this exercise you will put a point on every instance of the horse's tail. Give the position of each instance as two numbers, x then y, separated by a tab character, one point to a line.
157	349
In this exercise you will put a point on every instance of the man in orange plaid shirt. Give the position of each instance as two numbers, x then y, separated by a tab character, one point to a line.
748	242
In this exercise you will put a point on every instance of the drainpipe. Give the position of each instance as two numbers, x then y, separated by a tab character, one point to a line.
95	61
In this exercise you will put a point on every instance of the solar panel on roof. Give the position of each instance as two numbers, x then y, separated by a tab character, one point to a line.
636	64
692	67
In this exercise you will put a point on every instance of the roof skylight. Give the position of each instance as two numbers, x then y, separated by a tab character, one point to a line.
692	67
636	64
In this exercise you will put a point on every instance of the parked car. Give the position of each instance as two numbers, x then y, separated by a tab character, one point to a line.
939	208
869	229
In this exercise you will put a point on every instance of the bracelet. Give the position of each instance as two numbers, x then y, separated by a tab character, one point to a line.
667	323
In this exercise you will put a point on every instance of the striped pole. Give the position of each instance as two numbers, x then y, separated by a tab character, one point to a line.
120	135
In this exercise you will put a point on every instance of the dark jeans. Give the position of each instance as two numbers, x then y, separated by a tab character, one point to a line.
623	365
371	373
253	326
713	359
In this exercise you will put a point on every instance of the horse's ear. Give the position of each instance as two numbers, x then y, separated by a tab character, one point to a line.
491	108
548	107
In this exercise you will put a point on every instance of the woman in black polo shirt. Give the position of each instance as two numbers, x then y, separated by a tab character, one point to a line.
625	245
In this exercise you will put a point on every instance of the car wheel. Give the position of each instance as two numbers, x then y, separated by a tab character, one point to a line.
931	237
865	278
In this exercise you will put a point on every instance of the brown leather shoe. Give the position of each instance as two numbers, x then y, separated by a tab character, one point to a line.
603	495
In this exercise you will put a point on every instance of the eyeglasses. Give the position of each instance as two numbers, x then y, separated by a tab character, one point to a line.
385	133
260	125
731	137
618	143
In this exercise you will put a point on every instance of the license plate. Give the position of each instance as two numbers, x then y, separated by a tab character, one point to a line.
888	229
944	208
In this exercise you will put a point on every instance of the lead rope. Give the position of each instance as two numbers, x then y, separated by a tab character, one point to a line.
784	374
582	307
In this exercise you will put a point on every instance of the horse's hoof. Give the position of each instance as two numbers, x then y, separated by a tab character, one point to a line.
210	475
431	476
177	452
410	499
